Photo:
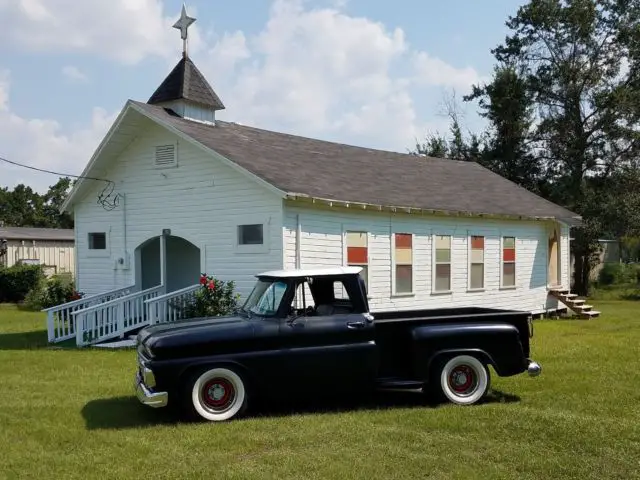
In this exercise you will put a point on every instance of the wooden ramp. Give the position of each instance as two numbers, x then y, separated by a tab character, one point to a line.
573	302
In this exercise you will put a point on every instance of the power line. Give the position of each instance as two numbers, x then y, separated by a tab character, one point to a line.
51	172
104	200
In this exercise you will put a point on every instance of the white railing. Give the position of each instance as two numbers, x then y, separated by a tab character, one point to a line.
113	318
171	306
60	321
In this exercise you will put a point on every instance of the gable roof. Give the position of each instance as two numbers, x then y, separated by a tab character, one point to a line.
185	81
28	233
309	168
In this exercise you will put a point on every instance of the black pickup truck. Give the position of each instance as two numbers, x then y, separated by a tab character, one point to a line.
309	332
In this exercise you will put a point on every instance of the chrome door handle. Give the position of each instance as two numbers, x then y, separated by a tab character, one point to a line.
353	325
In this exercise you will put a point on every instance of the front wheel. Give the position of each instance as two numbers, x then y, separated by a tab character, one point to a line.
464	380
218	394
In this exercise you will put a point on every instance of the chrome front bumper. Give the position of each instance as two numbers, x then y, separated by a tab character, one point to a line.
147	396
533	368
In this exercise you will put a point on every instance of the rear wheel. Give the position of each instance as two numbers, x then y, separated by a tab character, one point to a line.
463	380
217	395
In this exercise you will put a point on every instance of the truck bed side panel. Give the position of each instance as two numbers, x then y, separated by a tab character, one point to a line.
497	343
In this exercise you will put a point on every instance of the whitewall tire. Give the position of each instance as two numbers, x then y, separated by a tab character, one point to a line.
464	380
218	395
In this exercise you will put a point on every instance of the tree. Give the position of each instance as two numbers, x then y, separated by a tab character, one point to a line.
579	60
53	201
507	104
455	148
23	207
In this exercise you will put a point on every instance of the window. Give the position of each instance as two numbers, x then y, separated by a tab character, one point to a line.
357	253
403	260
265	298
97	241
508	261
476	263
250	234
442	280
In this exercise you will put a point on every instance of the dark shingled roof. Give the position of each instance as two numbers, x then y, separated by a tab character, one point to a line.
186	81
28	233
321	169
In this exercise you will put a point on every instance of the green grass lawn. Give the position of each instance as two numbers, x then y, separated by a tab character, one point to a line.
68	413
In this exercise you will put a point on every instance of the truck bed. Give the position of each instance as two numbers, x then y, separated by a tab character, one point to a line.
393	332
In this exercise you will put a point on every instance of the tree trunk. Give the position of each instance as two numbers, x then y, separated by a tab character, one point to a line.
582	269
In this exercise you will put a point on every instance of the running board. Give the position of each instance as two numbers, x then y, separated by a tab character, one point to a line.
398	384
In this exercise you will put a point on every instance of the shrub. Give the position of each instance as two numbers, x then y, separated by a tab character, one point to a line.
214	298
619	274
57	290
18	280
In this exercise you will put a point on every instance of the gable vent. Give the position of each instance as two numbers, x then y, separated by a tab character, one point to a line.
165	156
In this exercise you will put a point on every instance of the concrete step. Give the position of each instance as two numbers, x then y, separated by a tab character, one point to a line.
584	308
127	343
591	314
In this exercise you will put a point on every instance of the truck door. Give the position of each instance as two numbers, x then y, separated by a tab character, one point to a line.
332	345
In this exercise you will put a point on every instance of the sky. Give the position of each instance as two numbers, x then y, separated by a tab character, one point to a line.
364	72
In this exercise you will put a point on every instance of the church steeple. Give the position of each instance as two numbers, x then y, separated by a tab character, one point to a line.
185	90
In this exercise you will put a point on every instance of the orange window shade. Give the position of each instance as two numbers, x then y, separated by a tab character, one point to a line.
477	242
403	240
509	255
356	255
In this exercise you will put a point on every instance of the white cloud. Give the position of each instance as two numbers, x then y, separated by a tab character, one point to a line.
310	71
124	30
436	72
321	72
74	74
43	143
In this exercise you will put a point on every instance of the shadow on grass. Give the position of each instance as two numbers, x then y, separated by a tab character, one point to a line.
127	412
32	340
124	412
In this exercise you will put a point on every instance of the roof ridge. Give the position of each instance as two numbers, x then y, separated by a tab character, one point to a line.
342	144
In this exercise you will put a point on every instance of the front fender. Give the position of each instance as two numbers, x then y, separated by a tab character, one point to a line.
172	375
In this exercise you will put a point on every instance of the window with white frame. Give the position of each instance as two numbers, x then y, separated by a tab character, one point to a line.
251	234
508	261
442	264
403	263
476	262
97	241
358	253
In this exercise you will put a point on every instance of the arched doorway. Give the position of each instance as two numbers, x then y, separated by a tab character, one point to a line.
179	265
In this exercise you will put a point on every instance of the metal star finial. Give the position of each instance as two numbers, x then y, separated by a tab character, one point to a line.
183	24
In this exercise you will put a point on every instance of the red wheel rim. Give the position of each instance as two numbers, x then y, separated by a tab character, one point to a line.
462	379
218	394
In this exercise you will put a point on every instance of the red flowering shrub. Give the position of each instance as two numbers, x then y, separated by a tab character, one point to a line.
214	298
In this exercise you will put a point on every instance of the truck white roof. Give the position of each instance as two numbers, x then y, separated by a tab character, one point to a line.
311	272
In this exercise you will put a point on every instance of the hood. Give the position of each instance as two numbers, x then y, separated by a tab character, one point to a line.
195	336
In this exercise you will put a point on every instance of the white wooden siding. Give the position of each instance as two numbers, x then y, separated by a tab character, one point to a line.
57	256
321	244
192	111
200	200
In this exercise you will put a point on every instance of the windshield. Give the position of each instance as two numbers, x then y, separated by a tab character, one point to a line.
265	298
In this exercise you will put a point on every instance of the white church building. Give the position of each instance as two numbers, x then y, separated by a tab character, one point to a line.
185	194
